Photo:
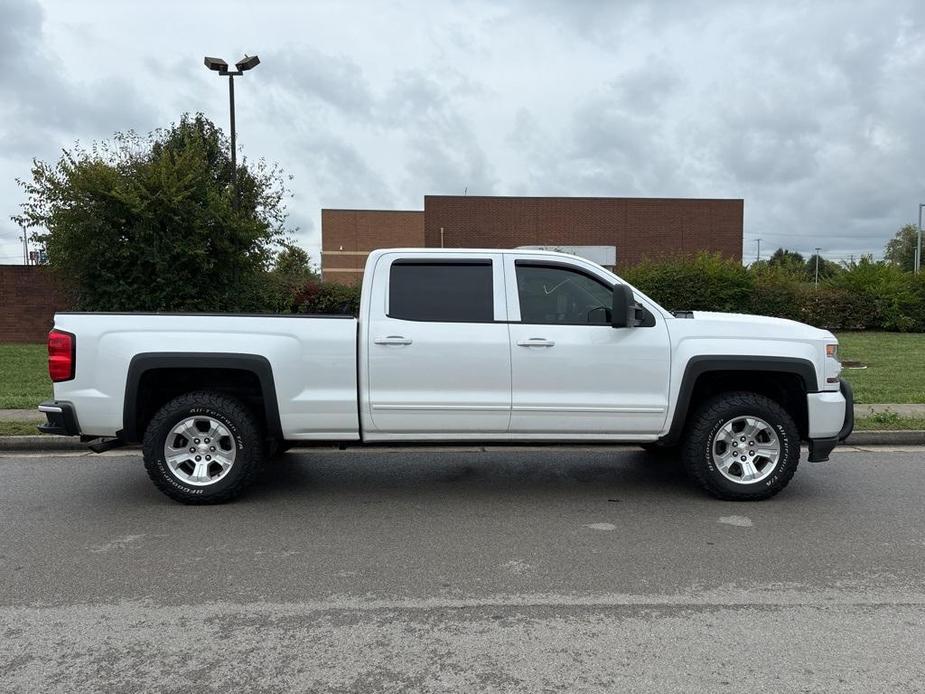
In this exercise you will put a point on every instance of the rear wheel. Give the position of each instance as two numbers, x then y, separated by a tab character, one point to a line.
742	447
203	448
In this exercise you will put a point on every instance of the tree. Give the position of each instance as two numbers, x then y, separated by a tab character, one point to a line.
787	260
293	262
827	268
900	250
292	272
152	224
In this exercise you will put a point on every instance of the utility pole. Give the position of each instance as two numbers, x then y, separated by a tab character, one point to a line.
758	256
221	67
918	242
25	246
817	266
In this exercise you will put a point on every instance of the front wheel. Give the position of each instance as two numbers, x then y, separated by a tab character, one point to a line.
742	447
203	448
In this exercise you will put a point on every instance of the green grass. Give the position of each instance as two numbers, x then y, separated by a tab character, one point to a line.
876	423
895	362
24	381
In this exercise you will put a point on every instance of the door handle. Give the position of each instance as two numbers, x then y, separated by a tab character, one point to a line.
536	342
393	340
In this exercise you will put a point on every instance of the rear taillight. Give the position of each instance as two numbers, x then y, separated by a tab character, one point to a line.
62	355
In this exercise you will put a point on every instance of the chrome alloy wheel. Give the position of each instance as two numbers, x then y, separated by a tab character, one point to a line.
746	450
199	451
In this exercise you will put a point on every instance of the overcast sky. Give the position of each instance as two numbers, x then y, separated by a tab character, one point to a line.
813	112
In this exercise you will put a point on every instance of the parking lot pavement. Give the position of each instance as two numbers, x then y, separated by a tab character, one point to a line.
463	570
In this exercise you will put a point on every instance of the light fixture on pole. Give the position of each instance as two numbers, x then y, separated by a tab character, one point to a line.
221	67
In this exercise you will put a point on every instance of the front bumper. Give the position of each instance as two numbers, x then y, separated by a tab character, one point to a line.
61	418
820	448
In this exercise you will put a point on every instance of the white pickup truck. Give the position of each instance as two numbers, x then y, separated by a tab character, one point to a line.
453	346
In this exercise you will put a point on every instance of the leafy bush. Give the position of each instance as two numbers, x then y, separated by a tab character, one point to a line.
706	283
328	298
895	297
835	309
865	295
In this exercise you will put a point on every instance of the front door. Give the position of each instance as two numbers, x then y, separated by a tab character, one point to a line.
572	373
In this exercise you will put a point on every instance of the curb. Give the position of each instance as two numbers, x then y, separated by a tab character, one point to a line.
72	443
890	438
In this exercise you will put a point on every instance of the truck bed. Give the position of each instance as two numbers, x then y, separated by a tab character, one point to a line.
313	361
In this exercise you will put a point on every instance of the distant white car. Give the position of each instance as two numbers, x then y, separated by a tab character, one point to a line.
453	346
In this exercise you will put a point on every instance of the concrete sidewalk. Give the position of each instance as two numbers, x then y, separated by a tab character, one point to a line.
915	410
21	416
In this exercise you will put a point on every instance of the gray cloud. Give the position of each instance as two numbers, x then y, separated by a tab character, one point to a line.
811	112
40	102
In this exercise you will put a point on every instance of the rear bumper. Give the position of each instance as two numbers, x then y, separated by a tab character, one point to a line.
821	447
61	419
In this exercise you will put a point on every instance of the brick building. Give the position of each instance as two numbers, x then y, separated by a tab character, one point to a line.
348	236
637	228
29	298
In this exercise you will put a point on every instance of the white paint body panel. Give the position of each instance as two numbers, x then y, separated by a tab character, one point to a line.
453	378
826	414
313	362
593	378
452	381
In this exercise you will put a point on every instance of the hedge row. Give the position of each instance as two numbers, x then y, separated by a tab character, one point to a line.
864	296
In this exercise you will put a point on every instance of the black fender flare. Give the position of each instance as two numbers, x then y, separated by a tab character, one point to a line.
699	365
252	363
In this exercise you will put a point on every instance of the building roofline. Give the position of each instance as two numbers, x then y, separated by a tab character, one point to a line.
584	197
366	209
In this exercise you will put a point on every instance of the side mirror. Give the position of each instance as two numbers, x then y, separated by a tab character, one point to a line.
623	314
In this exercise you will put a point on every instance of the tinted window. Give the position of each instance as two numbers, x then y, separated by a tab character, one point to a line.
441	291
557	295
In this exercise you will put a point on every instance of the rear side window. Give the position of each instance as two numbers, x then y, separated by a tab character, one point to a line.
443	292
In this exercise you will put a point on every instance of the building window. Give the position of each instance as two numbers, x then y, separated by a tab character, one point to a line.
454	291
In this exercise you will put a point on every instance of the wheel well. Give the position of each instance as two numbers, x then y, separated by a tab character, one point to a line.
158	386
787	389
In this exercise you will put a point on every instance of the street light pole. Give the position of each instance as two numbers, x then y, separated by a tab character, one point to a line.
817	265
234	145
918	242
221	67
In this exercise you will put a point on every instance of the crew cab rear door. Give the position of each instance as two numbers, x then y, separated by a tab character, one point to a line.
572	372
438	352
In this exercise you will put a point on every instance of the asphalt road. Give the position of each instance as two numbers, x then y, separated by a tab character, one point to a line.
463	570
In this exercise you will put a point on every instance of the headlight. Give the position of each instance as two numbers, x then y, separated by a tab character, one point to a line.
831	351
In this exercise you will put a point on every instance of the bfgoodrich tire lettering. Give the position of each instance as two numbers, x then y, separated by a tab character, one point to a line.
704	432
244	443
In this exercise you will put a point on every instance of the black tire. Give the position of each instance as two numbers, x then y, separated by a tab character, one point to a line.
246	438
697	448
